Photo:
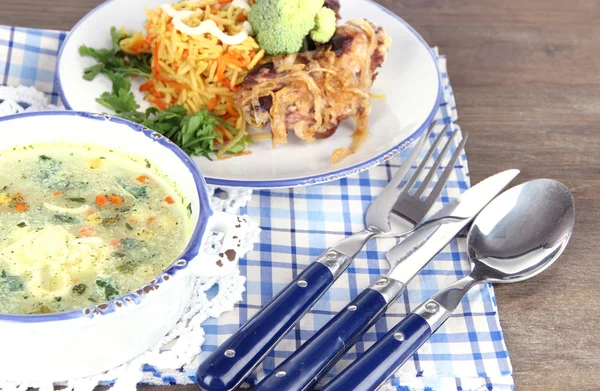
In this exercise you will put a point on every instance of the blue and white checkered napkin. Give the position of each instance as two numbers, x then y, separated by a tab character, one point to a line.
467	353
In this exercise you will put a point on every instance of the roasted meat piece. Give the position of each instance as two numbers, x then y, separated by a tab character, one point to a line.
312	92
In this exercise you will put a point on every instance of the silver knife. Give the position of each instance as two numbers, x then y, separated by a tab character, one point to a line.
304	368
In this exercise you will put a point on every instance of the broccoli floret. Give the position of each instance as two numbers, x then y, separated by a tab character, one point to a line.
281	25
325	23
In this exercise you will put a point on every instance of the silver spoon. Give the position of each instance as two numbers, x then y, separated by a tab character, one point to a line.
517	236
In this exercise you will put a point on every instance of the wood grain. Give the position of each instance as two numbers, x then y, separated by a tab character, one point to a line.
526	74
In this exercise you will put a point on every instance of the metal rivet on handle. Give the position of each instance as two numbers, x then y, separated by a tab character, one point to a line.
399	336
432	307
382	281
230	353
280	374
331	255
302	284
352	308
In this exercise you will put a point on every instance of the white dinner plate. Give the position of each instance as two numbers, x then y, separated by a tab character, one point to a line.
409	79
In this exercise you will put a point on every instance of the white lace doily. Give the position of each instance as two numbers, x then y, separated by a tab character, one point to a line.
181	346
14	100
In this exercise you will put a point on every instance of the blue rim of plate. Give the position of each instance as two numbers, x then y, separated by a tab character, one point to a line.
308	180
189	254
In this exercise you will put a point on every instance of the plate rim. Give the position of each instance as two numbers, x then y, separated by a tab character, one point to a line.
306	180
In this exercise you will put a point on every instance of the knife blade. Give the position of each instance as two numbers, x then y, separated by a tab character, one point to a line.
305	367
434	234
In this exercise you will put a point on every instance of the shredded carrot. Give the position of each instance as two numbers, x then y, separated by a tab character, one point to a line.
178	86
115	199
236	58
158	95
241	18
212	103
224	1
151	219
227	83
169	200
155	64
230	110
141	179
116	243
185	54
147	86
220	74
101	199
57	193
158	103
21	208
87	232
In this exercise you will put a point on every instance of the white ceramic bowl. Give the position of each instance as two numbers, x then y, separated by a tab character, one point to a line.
409	79
69	345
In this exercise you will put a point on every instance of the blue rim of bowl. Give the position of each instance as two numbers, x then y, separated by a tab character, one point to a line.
189	254
314	179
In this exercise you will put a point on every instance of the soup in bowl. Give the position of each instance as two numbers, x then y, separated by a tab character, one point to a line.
102	230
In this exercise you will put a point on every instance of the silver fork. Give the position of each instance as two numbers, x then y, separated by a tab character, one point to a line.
227	367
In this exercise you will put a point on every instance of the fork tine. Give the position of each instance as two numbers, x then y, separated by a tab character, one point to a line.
446	174
435	166
423	164
407	164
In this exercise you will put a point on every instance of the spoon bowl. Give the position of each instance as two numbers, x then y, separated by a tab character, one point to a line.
522	232
517	236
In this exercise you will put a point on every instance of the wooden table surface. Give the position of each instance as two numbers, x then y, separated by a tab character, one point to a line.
526	75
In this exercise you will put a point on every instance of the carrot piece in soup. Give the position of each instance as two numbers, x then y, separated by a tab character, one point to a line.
87	232
101	199
115	199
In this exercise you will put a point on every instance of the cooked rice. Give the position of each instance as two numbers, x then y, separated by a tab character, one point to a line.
197	71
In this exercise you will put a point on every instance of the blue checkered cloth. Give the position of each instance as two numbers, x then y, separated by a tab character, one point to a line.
467	353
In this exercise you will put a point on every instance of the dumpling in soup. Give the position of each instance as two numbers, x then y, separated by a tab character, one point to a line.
82	225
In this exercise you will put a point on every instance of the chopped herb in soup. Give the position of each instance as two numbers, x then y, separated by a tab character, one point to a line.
80	226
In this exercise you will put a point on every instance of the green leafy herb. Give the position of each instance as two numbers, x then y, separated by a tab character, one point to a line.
121	99
79	200
66	219
107	288
189	209
22	224
45	158
137	192
128	266
131	244
10	284
79	289
129	227
110	220
57	298
115	60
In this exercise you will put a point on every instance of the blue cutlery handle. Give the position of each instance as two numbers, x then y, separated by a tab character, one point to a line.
303	369
384	358
235	359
